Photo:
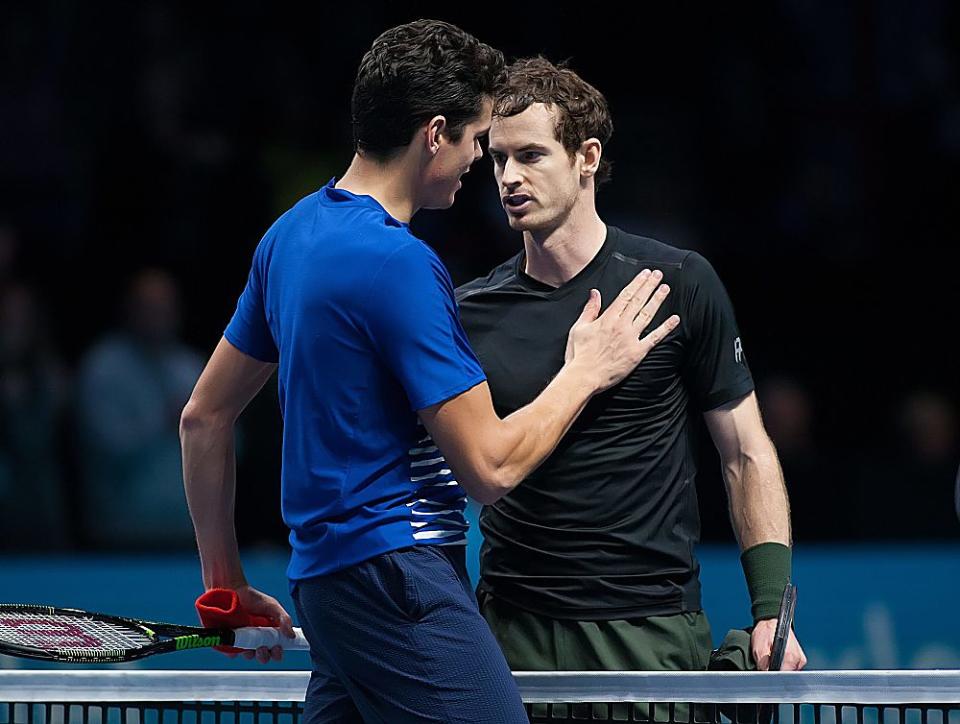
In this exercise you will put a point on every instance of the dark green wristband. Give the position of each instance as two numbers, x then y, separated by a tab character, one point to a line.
767	569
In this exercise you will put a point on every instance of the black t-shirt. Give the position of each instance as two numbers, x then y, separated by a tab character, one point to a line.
606	527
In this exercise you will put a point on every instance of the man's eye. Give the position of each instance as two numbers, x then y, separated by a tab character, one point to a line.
498	158
530	156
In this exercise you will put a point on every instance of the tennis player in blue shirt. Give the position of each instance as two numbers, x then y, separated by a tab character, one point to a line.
359	316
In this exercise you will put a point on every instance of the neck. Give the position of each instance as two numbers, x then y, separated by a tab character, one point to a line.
555	256
391	184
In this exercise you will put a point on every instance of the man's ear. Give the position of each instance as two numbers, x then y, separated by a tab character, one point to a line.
432	133
589	155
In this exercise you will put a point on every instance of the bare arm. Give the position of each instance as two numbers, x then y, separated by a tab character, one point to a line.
230	380
759	508
489	455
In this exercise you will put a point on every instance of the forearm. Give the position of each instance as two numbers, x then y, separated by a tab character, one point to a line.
529	435
209	476
490	456
759	507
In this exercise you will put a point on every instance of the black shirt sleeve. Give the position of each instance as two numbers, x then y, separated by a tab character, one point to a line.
715	370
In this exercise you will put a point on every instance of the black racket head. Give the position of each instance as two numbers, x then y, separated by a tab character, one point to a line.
70	635
788	605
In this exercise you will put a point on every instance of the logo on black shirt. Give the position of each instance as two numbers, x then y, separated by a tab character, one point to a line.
738	350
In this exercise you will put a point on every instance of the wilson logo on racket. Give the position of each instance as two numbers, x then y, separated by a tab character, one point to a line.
196	642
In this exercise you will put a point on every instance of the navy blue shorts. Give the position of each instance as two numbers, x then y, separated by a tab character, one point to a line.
398	638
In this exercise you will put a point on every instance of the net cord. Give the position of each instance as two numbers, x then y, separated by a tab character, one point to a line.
828	687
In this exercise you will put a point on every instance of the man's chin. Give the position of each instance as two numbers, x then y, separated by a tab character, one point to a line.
519	223
441	204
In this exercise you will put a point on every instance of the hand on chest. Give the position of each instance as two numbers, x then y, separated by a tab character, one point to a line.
523	349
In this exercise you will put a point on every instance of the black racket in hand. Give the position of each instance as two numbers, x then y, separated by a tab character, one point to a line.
82	637
788	605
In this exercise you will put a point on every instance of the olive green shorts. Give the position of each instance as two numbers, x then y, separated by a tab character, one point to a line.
532	642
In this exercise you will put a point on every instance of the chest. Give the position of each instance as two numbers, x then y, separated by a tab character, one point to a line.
521	344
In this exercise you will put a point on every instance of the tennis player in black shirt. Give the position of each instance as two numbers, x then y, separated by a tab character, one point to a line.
589	564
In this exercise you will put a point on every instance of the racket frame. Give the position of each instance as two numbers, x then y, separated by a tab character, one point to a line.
788	606
177	638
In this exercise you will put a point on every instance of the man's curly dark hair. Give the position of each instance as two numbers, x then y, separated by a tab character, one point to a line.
582	111
414	72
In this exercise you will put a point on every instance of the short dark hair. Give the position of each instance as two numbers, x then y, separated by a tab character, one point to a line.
582	111
416	71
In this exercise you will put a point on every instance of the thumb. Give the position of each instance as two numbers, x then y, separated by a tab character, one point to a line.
591	310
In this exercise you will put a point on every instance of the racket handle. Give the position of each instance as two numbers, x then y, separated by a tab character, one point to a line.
253	637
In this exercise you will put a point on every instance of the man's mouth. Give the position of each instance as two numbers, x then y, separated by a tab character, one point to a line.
515	202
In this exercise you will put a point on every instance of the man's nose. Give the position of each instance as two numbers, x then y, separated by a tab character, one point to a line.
511	174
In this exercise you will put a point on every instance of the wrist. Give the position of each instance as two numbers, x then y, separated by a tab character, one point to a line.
582	378
766	567
223	574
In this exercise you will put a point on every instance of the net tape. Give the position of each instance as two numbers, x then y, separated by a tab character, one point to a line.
847	687
223	697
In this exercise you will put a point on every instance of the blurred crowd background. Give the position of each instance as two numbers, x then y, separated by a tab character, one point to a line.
810	150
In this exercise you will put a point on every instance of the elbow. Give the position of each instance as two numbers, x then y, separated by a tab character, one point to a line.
489	485
195	419
191	419
487	493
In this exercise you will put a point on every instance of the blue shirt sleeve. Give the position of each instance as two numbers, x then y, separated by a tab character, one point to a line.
411	317
249	330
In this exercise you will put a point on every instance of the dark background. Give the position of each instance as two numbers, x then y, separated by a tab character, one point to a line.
809	150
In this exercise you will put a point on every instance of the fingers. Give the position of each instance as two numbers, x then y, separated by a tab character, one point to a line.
286	624
762	644
279	616
638	283
659	334
591	309
794	659
645	314
260	603
263	654
282	619
647	292
761	654
761	639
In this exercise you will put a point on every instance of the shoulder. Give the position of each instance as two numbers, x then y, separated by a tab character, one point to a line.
646	250
684	266
497	278
300	216
403	252
406	271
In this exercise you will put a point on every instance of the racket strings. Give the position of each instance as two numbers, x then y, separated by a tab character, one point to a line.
57	632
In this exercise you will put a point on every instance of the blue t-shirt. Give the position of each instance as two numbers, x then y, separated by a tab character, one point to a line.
360	315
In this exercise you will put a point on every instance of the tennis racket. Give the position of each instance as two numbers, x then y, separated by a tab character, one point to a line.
788	605
82	637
